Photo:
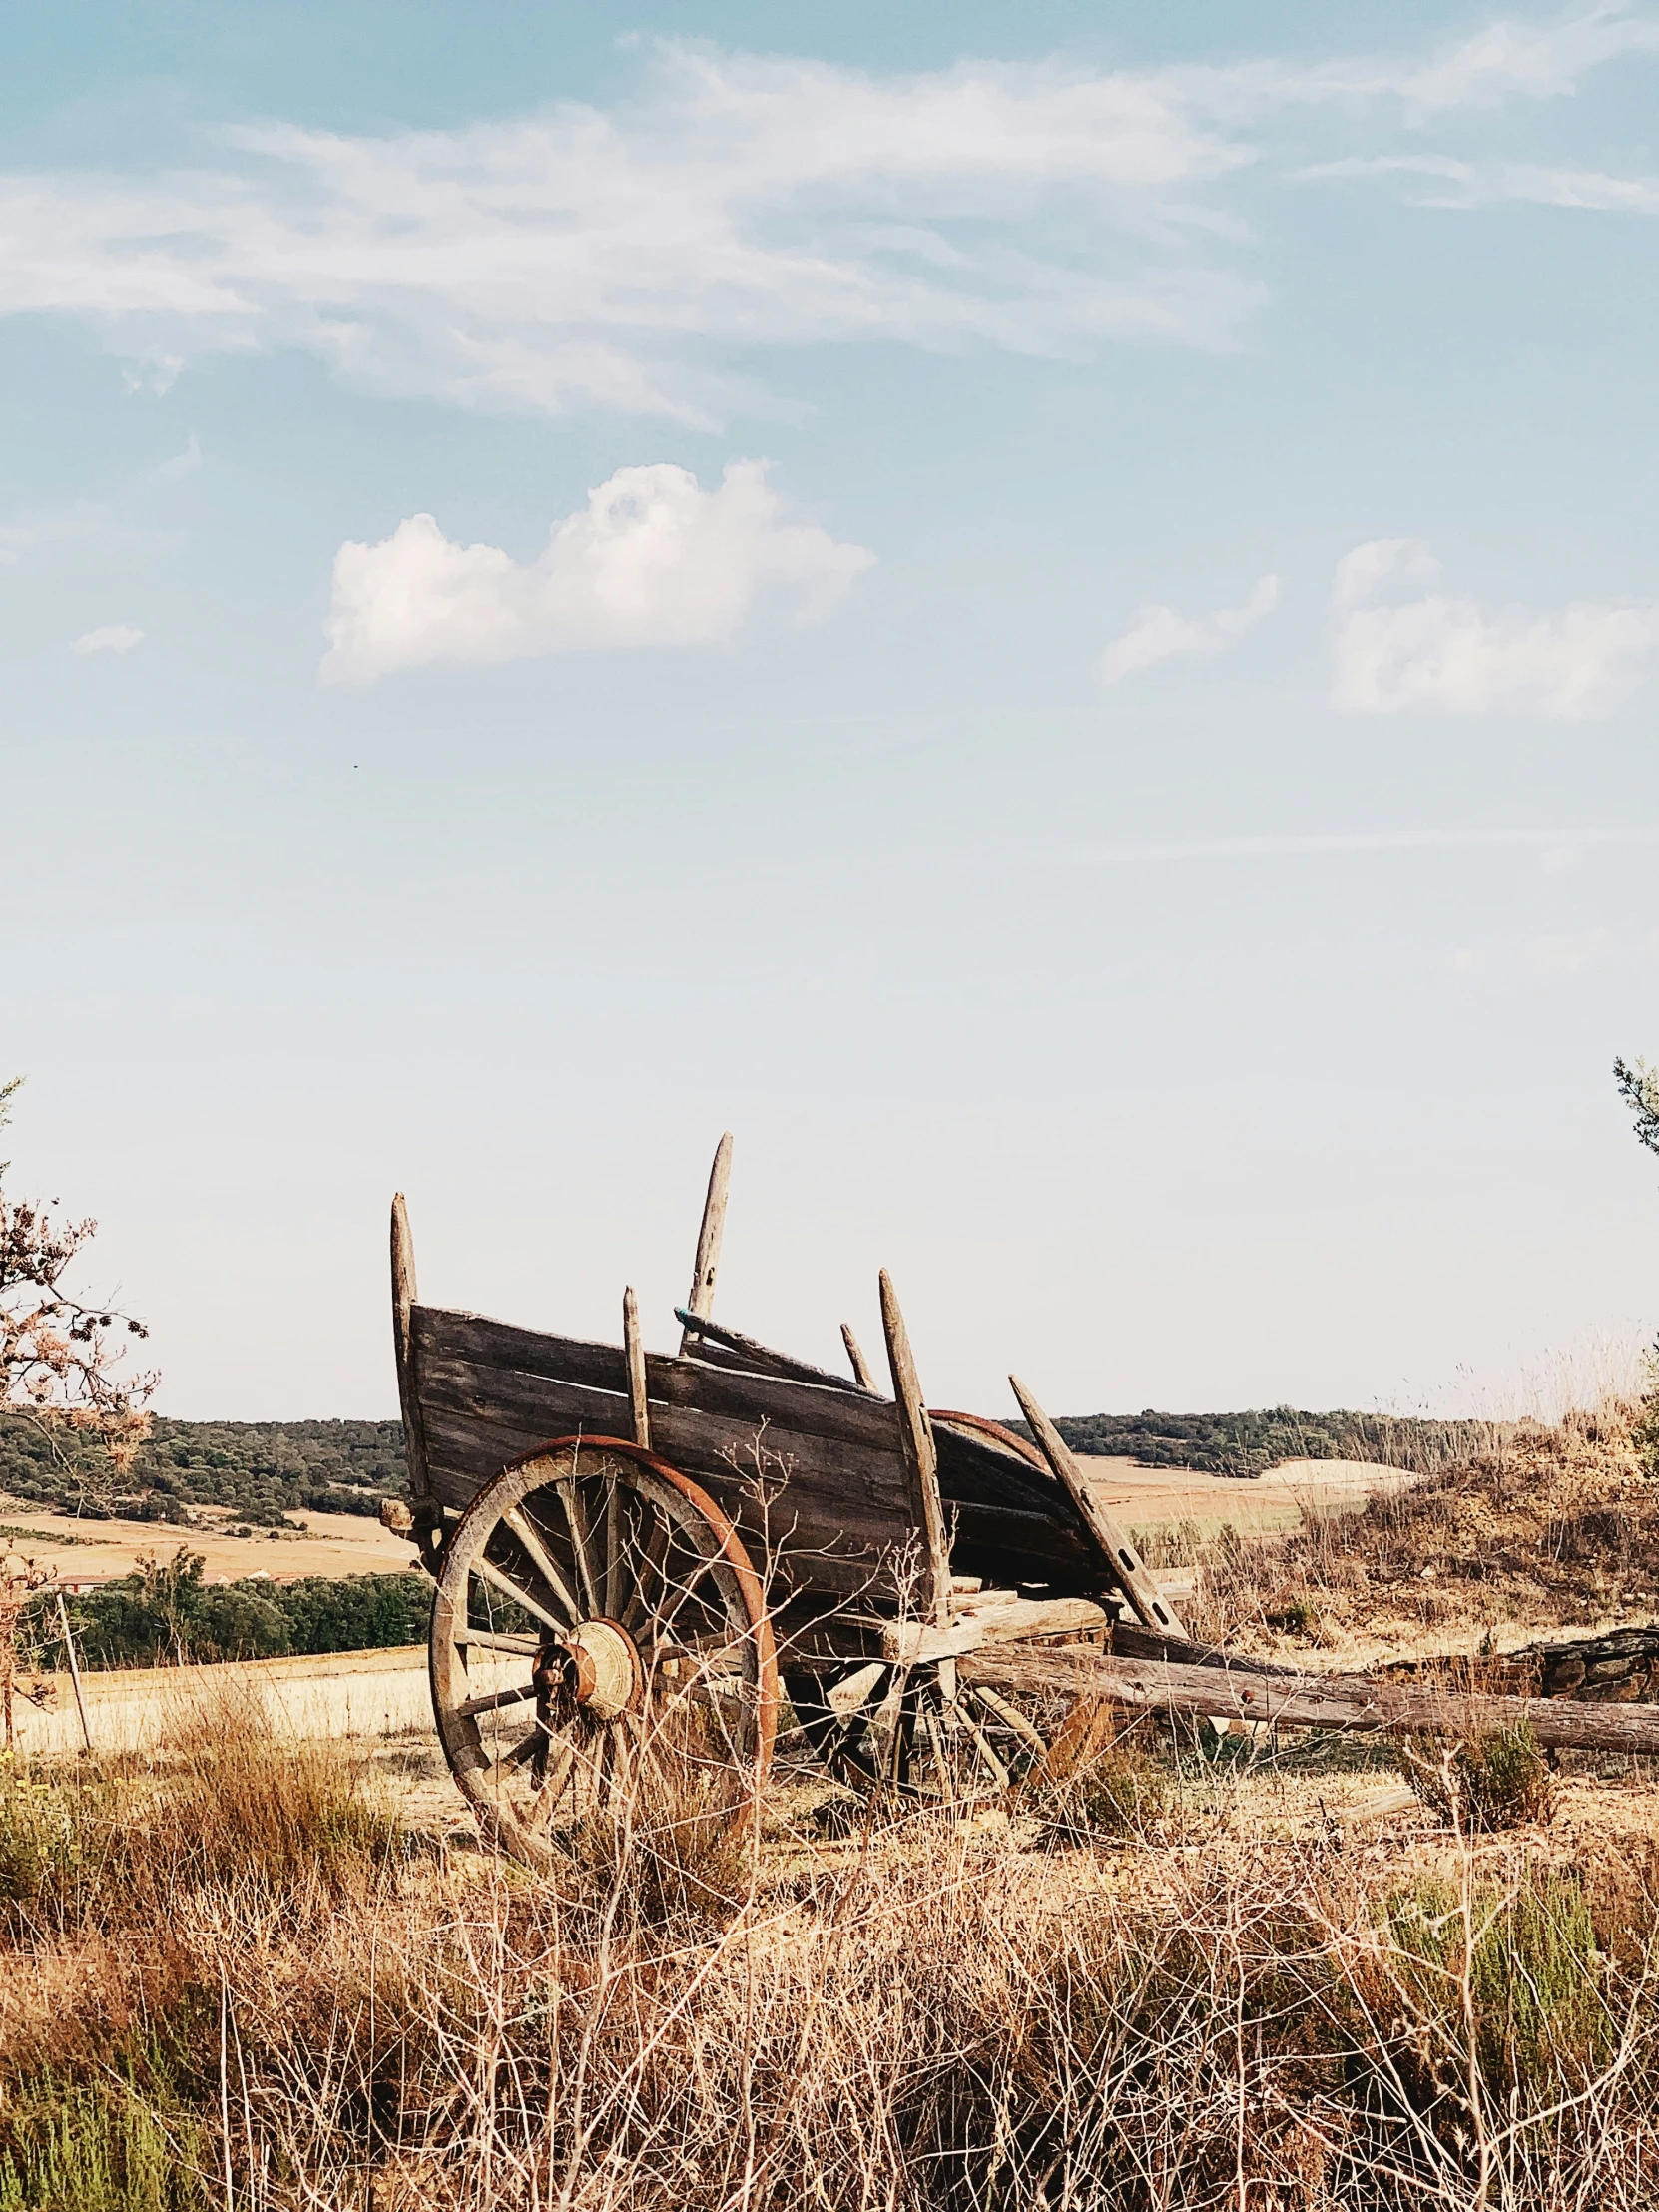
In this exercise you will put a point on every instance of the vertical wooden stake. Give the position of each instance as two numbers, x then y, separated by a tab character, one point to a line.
403	1301
921	1458
636	1367
73	1670
861	1365
1129	1569
700	1298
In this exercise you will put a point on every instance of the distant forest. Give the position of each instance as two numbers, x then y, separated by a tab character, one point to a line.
266	1471
1243	1445
263	1471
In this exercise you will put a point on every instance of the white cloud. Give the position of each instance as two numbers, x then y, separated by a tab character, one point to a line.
1446	655
615	257
113	637
1158	633
1449	183
620	257
652	560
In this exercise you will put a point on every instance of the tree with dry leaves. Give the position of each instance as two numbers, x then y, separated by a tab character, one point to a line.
62	1361
62	1367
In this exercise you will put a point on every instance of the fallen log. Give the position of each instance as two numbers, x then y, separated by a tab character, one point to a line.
1356	1701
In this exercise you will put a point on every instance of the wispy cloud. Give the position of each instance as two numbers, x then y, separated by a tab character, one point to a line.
113	637
1158	633
625	256
652	560
1444	182
1450	655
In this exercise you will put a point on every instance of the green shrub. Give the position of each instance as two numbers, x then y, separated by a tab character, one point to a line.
54	1831
74	2150
1535	1973
1497	1782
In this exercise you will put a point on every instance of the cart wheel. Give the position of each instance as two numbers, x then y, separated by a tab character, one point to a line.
600	1643
893	1728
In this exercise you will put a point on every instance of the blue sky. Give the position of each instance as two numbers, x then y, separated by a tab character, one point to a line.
1051	614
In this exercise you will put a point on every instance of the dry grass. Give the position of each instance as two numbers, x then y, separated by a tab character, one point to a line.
225	1983
1178	1978
1555	1527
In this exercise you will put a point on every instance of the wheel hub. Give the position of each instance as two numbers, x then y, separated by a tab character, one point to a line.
597	1667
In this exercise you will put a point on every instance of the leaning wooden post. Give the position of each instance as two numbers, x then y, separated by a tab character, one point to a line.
701	1299
73	1670
404	1300
921	1458
861	1365
1129	1569
636	1368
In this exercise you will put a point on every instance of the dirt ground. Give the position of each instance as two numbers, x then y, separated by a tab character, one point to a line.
377	1701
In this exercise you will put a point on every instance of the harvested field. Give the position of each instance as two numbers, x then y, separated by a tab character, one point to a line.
334	1544
364	1694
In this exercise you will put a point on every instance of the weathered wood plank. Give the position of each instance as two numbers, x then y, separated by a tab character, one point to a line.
1348	1702
837	1529
701	1296
634	1352
523	1386
975	1428
827	1468
403	1297
750	1354
921	1459
1001	1617
974	1469
842	1415
861	1365
1127	1564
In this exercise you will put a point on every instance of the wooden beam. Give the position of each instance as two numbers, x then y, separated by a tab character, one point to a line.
1349	1701
921	1459
861	1365
1129	1569
712	1338
700	1299
996	1617
633	1346
403	1301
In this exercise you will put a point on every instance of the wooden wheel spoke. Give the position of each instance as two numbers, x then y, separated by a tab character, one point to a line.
490	1639
487	1571
576	1517
498	1770
681	1591
613	1546
494	1701
543	1561
553	1786
713	1706
700	1649
651	1560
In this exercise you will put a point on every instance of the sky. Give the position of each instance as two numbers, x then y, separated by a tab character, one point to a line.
1051	614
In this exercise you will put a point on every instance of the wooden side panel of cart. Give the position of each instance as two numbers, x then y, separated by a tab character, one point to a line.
841	1507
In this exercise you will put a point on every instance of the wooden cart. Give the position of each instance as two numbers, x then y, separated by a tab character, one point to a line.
639	1556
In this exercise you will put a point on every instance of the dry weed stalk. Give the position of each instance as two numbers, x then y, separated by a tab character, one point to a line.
226	1954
